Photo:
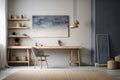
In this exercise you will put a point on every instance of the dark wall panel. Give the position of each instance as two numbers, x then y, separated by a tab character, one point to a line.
107	16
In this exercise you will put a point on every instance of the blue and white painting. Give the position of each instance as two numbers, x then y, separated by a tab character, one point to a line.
50	26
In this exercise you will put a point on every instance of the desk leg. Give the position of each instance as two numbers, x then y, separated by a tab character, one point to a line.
78	57
28	56
8	54
71	55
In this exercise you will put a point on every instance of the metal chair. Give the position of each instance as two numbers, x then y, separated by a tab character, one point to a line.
39	56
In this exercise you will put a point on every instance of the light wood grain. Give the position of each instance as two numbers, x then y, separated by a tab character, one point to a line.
59	75
19	47
18	61
18	19
47	47
18	27
58	47
13	36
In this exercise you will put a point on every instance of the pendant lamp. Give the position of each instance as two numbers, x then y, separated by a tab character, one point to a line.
75	21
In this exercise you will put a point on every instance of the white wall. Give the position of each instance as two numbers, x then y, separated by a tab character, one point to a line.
80	36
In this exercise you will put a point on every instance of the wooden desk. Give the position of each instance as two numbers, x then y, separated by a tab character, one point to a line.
71	48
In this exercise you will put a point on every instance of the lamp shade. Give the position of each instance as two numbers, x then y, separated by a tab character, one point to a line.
74	24
75	21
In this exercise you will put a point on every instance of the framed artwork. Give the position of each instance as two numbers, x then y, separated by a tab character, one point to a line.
103	53
50	25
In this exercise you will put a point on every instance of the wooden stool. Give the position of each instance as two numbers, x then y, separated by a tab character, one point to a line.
111	64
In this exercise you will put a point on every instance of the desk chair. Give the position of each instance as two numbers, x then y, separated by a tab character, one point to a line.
39	56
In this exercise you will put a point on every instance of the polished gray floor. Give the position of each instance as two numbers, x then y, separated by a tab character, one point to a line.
6	72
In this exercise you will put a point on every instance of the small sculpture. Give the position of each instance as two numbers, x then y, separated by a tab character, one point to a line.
13	33
11	16
22	16
59	42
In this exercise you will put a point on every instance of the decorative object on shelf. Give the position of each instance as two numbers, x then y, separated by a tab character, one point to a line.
50	26
24	34
13	58
59	42
38	44
75	21
22	16
11	16
15	17
23	58
13	33
24	25
18	24
17	41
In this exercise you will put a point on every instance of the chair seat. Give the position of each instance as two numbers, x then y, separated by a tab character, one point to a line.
43	55
40	58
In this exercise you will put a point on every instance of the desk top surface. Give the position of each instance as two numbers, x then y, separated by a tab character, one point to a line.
45	47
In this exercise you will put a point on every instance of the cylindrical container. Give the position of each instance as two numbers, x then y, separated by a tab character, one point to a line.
15	17
24	58
17	24
17	44
117	59
111	64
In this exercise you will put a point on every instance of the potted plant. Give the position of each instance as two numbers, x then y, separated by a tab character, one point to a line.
17	41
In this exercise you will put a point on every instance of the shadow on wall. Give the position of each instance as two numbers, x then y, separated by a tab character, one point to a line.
85	57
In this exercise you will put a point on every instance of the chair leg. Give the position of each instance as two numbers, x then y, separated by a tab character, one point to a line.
41	62
35	64
46	62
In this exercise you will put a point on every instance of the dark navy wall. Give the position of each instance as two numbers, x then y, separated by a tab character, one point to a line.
107	21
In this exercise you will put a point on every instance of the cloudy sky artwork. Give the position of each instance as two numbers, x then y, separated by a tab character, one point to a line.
50	26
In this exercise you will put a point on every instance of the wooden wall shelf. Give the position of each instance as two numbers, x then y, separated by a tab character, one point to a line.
18	27
19	47
13	26
17	61
18	19
12	36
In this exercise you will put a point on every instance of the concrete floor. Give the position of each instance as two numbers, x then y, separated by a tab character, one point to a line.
5	72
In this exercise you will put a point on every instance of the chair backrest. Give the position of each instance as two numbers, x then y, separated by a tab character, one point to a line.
36	52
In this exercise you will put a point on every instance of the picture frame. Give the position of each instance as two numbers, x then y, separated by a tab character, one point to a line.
102	46
50	26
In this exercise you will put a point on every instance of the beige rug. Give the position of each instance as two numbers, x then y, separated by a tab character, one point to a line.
59	75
